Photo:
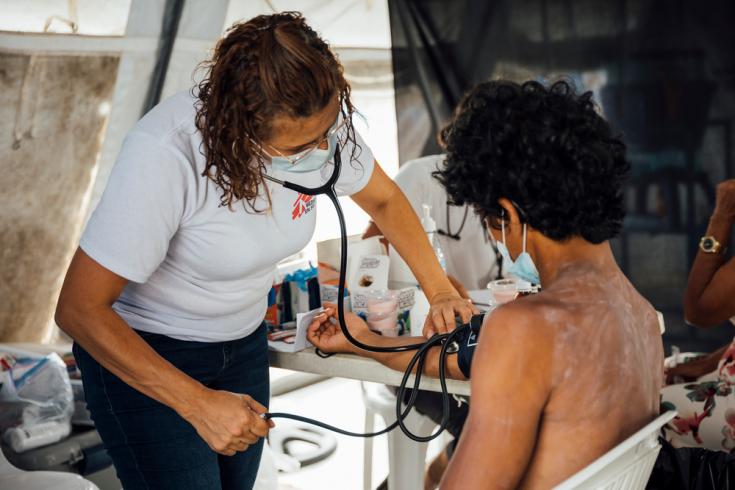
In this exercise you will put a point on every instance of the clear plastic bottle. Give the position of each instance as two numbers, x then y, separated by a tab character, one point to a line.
430	228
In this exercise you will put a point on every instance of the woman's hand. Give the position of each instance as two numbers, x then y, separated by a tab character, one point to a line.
228	422
324	331
692	370
725	201
444	308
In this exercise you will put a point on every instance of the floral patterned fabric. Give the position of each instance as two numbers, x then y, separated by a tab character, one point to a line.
706	408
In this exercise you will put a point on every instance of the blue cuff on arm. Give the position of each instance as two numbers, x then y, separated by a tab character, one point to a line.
467	341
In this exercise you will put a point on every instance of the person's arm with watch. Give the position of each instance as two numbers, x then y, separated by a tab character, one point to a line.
710	295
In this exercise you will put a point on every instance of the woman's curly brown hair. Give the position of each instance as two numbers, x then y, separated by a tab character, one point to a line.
268	66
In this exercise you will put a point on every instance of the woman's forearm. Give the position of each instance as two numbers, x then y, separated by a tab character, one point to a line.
116	346
402	228
702	299
393	214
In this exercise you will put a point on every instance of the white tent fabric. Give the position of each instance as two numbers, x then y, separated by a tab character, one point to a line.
364	51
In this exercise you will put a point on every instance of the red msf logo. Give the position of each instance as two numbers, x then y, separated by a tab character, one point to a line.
302	205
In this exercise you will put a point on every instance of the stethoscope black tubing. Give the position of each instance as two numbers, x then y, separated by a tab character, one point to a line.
421	348
329	190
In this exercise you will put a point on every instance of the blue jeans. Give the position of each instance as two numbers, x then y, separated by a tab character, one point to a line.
151	446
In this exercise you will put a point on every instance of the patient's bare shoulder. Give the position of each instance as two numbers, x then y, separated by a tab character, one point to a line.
522	317
529	331
519	328
537	315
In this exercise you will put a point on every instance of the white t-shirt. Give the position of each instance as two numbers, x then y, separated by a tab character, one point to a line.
471	259
199	271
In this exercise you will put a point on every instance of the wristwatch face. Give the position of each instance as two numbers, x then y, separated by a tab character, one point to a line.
709	245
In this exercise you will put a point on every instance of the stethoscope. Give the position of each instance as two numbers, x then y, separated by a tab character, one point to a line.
448	233
422	348
457	236
328	189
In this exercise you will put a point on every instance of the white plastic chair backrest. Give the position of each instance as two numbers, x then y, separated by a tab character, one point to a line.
12	477
626	466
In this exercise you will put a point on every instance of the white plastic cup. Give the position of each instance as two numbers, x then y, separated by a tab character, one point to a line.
503	290
385	323
380	302
382	312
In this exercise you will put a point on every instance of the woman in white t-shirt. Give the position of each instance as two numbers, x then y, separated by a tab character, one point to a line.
166	295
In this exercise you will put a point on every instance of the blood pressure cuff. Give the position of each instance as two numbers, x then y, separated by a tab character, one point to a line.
467	340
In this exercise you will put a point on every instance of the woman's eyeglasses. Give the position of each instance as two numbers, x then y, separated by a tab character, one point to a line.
339	128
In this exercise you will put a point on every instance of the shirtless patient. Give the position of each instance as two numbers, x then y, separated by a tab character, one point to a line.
560	377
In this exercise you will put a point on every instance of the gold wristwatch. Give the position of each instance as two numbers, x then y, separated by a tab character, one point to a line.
710	245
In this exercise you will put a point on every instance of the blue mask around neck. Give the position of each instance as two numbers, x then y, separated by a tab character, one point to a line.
315	160
522	267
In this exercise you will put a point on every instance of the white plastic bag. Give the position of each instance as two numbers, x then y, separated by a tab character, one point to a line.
36	391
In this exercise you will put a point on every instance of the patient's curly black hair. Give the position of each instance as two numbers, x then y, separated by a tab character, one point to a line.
544	148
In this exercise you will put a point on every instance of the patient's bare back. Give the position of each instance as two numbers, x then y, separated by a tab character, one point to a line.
606	373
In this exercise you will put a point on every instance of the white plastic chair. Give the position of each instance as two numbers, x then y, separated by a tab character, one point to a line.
12	477
626	466
407	458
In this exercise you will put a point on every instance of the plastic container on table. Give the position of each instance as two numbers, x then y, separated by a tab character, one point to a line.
382	312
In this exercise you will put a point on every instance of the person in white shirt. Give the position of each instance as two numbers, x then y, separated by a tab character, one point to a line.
166	295
461	234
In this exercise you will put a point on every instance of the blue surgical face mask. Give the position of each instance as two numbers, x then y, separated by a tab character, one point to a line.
308	160
522	267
